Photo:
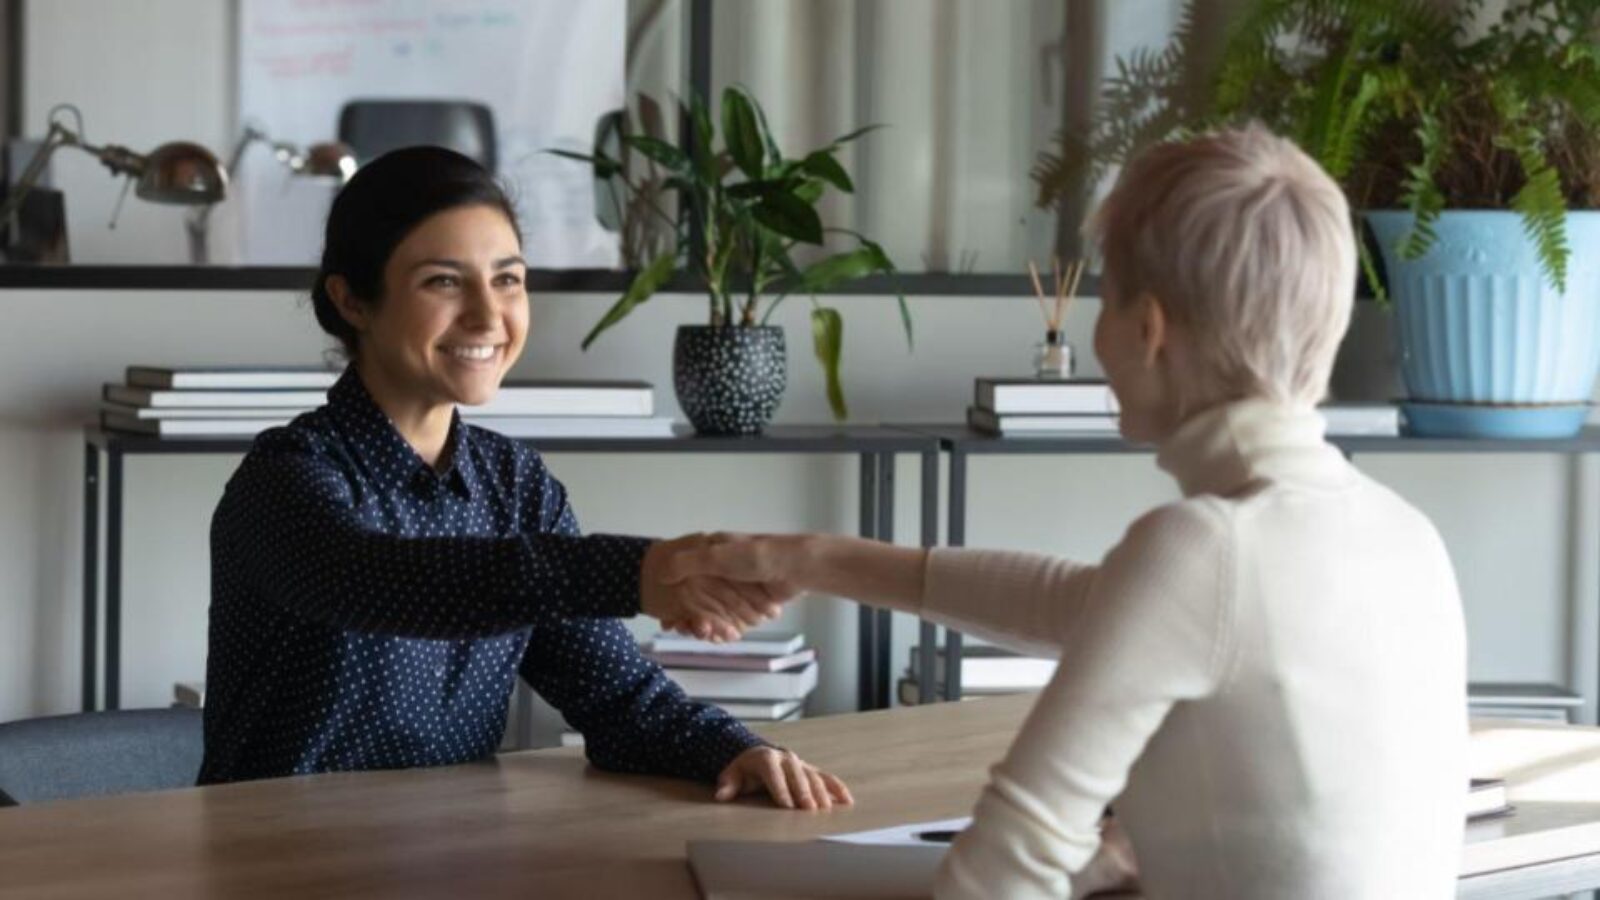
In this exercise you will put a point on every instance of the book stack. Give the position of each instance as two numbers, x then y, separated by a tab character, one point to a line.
763	677
243	401
986	671
1361	419
1038	407
556	409
212	401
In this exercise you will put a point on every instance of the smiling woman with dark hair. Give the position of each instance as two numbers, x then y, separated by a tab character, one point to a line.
382	572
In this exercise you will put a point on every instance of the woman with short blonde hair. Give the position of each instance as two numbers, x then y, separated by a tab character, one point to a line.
1268	676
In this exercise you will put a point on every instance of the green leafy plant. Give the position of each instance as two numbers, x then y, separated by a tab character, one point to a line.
746	208
1407	103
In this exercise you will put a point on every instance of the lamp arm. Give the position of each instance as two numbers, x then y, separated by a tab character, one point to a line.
199	219
58	136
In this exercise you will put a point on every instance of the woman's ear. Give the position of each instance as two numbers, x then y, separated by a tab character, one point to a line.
350	308
1154	328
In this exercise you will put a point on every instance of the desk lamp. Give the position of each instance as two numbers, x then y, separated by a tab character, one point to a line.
324	160
178	172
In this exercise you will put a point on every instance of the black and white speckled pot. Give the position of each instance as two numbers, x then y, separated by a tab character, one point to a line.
729	380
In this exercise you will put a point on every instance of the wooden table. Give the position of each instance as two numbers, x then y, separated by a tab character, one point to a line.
534	824
544	824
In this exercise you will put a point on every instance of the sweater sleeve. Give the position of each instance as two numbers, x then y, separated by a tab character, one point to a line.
1162	594
1026	602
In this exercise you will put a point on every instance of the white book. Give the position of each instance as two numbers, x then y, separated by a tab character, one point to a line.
1487	796
1104	425
1361	419
195	412
711	684
112	421
138	396
760	710
570	398
570	426
1035	395
755	643
985	668
740	662
226	377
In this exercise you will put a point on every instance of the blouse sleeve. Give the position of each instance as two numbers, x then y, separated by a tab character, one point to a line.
290	523
632	716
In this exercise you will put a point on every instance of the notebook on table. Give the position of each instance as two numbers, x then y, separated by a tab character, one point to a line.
747	870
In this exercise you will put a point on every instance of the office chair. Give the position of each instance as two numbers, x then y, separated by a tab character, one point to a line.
62	757
374	127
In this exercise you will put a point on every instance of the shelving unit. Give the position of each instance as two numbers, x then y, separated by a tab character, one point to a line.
875	447
961	443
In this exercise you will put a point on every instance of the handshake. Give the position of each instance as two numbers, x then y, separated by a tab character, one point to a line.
718	586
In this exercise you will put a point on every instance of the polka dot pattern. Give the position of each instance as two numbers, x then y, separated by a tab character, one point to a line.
369	612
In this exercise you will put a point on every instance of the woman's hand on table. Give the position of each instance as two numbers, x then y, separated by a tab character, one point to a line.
790	781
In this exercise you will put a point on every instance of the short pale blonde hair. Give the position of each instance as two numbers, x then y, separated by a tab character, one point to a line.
1248	245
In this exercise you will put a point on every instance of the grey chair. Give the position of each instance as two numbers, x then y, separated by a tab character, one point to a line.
62	757
374	127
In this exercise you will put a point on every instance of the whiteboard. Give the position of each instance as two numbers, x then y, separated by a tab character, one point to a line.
548	69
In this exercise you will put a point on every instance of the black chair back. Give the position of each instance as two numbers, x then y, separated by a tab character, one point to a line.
374	127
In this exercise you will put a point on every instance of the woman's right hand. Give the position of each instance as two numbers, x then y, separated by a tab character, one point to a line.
769	562
713	598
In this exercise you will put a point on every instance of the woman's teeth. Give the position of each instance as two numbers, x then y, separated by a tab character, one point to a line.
473	353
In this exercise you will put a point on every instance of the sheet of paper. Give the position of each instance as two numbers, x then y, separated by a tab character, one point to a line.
903	835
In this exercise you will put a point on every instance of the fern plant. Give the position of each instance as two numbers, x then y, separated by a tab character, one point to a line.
753	206
1406	103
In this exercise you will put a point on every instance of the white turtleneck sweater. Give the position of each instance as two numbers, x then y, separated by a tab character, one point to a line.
1267	678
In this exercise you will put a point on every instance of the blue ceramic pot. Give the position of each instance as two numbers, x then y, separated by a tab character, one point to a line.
729	380
1477	322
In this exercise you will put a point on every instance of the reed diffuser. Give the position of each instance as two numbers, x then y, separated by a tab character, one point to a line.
1053	357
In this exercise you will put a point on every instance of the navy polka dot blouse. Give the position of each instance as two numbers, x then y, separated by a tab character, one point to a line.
368	612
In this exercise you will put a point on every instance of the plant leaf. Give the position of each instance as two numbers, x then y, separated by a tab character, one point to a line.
741	134
749	190
882	263
789	216
694	112
1420	192
859	132
604	166
645	284
827	340
809	190
822	164
839	268
658	150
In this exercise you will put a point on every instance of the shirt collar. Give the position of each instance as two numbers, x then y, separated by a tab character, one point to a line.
1229	446
390	460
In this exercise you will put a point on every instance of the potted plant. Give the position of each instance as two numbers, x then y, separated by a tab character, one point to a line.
1473	153
746	208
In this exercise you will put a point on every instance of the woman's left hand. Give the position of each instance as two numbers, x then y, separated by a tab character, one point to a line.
792	782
